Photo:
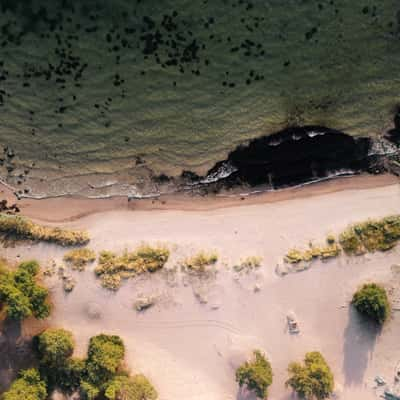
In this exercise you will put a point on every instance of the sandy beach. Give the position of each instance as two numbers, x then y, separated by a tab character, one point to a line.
69	208
191	341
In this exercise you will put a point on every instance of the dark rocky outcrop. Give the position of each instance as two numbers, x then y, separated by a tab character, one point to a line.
293	156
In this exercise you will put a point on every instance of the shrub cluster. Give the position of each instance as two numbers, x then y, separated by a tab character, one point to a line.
372	301
256	374
79	258
112	268
21	228
21	295
99	376
313	379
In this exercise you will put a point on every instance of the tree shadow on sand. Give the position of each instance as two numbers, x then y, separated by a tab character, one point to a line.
359	341
15	352
244	394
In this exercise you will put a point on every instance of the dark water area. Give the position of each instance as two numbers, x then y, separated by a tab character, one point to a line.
99	97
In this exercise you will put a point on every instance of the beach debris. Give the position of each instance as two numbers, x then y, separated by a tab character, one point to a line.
143	303
201	294
282	269
257	287
380	381
68	283
292	323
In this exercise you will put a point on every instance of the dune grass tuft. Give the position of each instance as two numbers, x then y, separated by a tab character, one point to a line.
21	228
79	258
248	263
200	261
112	268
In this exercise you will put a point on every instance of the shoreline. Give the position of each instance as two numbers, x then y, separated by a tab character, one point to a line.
72	208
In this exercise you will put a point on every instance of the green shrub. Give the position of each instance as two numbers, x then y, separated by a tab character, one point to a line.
79	258
256	374
124	387
55	346
313	379
371	301
21	294
22	228
105	355
29	386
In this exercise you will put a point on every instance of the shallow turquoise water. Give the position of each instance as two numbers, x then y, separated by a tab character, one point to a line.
330	63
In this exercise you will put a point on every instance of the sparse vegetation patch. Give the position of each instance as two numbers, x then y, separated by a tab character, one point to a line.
200	261
331	249
248	263
369	236
372	235
16	227
112	268
80	258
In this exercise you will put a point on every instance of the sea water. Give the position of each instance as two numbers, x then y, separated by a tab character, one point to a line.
96	97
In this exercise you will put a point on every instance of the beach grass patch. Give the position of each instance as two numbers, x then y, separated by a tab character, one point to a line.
112	268
371	235
80	258
330	250
15	227
248	263
200	261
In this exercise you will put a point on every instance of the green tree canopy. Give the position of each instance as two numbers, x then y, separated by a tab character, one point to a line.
137	387
105	354
20	293
55	346
29	386
314	379
371	301
256	374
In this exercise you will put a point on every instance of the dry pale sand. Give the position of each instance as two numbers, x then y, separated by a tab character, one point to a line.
189	349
